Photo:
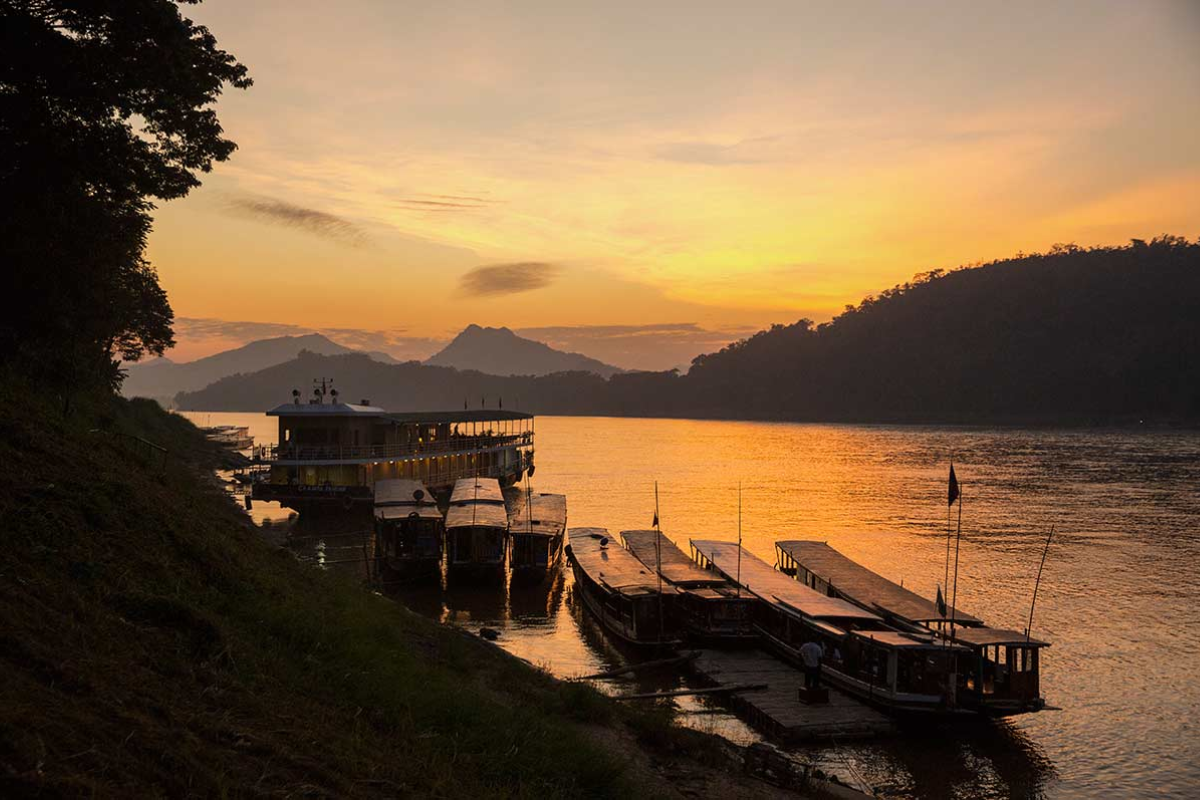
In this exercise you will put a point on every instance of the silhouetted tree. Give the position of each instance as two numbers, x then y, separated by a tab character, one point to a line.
104	107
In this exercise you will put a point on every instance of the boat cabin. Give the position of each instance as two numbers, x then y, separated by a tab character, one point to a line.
332	452
477	527
628	599
409	528
538	527
1004	678
707	606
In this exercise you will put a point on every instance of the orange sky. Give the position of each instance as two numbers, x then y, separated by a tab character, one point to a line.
728	165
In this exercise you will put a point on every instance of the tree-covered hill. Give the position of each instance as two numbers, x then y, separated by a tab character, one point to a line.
1101	335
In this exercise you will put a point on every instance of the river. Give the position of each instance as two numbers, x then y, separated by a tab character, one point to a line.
1118	601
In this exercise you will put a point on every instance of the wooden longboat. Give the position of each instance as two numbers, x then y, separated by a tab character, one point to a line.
477	542
1000	676
708	607
537	528
619	590
900	671
409	528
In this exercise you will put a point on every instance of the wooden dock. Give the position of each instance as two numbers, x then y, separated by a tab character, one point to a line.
777	710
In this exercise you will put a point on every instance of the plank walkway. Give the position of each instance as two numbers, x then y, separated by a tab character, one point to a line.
777	710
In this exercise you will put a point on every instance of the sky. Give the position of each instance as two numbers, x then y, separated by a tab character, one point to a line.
643	182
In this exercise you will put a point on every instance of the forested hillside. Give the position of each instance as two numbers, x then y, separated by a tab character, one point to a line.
1100	335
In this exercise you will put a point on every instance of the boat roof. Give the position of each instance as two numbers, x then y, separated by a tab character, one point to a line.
674	564
982	636
471	490
325	410
899	639
402	417
768	584
865	587
543	513
405	511
611	565
476	515
402	492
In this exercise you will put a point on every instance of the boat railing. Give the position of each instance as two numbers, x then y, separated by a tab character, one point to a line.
455	444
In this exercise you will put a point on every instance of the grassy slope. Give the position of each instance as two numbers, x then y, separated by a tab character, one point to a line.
150	642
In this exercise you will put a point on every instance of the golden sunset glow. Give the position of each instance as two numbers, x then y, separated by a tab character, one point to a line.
728	166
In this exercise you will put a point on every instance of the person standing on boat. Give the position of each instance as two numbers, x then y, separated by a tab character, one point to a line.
811	654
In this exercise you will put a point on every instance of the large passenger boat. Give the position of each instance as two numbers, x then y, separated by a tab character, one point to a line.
477	541
409	529
1000	677
538	526
900	671
330	453
708	607
629	599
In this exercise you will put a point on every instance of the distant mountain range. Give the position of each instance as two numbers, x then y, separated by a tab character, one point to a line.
499	351
162	378
1083	336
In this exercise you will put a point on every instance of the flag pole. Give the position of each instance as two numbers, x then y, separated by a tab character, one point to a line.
957	543
946	571
658	563
739	564
1038	583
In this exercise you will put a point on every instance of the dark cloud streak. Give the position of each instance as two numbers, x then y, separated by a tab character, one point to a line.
500	279
319	223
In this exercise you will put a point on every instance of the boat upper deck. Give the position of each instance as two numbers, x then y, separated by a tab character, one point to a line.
984	636
768	584
477	515
609	564
476	490
863	586
676	567
541	514
402	492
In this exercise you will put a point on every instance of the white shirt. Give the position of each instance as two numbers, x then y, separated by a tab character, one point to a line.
811	653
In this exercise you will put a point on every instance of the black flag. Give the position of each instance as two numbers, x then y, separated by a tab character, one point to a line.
941	603
952	494
655	523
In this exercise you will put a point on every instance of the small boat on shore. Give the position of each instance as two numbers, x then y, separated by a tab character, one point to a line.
477	541
903	672
235	437
628	599
708	607
409	528
999	677
537	528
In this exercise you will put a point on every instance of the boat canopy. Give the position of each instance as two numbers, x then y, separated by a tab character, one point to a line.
867	588
606	562
541	514
401	492
481	490
404	512
476	515
676	567
985	637
898	639
768	584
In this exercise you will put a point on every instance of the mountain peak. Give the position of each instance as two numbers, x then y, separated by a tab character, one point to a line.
499	351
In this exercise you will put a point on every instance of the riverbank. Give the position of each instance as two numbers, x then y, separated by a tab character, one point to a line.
153	643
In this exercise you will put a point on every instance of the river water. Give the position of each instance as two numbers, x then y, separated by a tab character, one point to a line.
1119	597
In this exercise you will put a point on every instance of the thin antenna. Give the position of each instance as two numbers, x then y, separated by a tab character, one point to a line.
1038	583
739	563
957	543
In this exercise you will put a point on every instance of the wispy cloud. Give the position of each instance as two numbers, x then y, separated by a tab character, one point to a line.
445	202
499	279
310	220
747	151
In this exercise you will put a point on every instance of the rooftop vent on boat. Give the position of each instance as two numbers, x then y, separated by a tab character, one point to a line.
364	402
296	396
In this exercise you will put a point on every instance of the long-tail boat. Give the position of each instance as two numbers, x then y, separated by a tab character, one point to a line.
999	677
904	672
477	540
708	607
537	527
628	599
409	528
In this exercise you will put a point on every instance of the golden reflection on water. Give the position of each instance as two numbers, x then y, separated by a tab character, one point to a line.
1118	600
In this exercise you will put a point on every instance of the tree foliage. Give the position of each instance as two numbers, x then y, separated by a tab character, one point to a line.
105	106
